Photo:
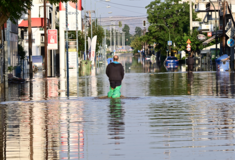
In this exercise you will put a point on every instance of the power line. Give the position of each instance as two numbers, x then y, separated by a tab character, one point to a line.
125	5
123	16
122	19
123	9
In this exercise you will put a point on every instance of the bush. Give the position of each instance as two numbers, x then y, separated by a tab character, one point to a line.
178	56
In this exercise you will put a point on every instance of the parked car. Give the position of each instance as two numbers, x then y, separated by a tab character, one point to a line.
171	62
147	57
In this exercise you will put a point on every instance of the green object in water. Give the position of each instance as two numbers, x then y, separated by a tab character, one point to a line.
117	92
110	93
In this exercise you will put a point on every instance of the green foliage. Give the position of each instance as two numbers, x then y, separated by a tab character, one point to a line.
138	31
81	39
128	36
178	56
11	68
99	31
21	52
14	9
196	45
136	44
170	14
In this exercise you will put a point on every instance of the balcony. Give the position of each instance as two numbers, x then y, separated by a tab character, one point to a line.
210	7
202	5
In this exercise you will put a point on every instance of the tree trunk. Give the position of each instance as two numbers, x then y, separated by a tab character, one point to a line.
3	19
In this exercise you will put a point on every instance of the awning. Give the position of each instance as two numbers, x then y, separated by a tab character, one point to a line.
35	22
208	40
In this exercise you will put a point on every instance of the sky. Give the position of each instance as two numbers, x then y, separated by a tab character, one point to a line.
131	12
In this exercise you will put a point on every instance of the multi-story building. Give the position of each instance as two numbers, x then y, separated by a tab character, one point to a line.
37	23
213	10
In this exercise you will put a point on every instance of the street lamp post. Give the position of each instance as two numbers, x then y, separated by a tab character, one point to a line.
168	31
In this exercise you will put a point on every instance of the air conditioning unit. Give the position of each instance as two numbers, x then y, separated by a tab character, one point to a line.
200	7
41	1
206	28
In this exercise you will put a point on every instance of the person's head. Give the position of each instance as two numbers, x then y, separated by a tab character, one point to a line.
115	58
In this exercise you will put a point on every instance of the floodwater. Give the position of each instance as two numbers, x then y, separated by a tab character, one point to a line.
165	114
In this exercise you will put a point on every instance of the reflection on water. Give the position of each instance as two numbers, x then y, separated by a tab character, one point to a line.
134	84
88	128
116	124
177	113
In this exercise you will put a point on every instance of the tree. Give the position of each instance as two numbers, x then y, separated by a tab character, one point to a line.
136	44
164	17
81	39
138	31
126	29
99	32
13	9
196	45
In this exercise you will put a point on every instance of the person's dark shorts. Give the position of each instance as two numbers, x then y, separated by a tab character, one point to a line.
114	84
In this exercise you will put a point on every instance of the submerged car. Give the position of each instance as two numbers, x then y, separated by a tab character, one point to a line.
171	62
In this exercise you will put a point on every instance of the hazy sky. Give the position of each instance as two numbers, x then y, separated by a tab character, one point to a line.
119	8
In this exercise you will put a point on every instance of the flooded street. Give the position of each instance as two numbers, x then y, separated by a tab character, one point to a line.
165	114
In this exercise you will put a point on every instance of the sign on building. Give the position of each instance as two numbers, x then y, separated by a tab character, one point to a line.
52	39
209	34
195	24
201	37
71	15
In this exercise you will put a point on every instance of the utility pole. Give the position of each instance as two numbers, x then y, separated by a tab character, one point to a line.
45	38
224	37
77	49
190	16
118	38
91	21
85	29
30	45
53	72
67	52
111	43
123	40
114	36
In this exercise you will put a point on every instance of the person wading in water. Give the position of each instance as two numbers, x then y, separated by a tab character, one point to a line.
115	72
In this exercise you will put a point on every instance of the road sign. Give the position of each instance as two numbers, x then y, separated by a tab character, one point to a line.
169	43
188	49
230	42
230	32
188	46
188	41
52	39
209	34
